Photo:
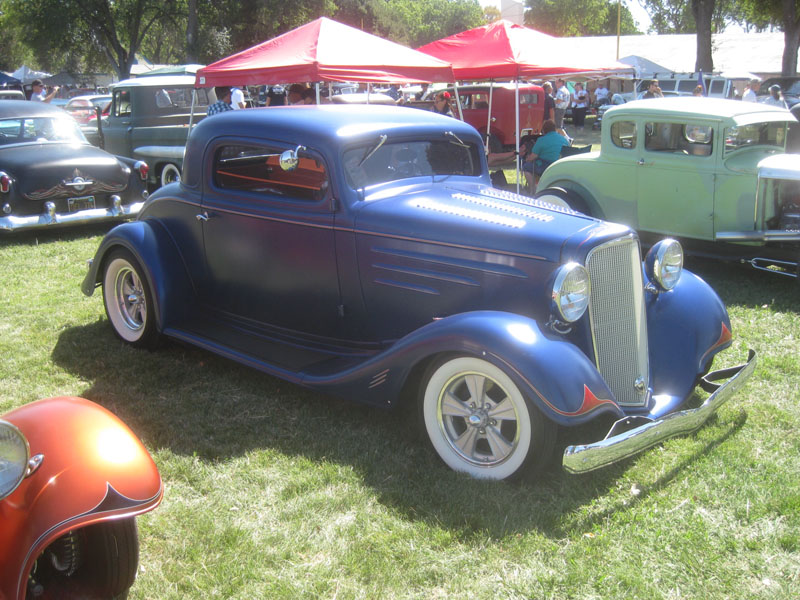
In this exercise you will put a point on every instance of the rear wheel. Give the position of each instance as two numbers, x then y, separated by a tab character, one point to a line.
479	422
561	197
170	174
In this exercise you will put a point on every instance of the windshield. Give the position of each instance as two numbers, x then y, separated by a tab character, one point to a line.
756	134
392	161
22	130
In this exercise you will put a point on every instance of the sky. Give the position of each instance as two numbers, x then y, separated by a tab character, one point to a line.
639	14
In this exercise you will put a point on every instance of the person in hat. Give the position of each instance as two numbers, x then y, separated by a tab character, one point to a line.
39	94
775	97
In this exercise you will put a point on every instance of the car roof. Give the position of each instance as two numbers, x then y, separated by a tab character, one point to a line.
157	81
708	108
338	122
26	108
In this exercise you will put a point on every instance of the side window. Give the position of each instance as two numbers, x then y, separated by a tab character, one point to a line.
256	168
122	103
531	98
687	85
717	87
694	140
623	134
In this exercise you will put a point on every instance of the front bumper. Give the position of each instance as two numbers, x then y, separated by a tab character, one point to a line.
588	457
50	217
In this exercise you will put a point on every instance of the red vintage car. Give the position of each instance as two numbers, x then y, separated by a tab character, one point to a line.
72	479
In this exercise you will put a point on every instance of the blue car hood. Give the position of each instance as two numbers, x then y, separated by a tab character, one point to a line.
477	215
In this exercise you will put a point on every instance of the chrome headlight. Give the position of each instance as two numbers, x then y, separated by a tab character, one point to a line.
14	454
571	291
664	264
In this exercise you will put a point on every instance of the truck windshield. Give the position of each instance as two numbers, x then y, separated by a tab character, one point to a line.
364	166
756	134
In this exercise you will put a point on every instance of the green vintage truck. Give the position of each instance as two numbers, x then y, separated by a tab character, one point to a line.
149	121
710	172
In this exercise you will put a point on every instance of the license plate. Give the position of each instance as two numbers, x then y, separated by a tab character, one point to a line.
81	203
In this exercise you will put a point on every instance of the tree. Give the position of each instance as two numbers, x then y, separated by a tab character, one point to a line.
782	14
491	14
115	28
566	18
702	11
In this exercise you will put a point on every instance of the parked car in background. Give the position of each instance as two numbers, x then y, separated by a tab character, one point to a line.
502	126
11	95
73	478
81	108
688	168
721	85
362	251
149	121
790	87
50	175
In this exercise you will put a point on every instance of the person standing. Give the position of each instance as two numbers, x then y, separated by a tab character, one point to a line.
549	101
751	90
580	107
653	91
775	97
562	101
39	94
223	103
441	104
237	98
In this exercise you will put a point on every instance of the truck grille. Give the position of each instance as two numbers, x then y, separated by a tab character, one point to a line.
618	321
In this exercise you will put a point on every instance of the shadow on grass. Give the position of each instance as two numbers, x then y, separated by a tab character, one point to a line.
49	235
742	285
197	404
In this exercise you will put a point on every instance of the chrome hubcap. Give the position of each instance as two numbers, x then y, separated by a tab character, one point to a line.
130	299
478	418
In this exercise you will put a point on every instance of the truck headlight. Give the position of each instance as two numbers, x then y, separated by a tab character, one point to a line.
571	291
14	452
664	264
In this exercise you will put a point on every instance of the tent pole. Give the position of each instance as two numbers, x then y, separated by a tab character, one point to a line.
516	135
369	87
458	101
316	87
191	110
489	115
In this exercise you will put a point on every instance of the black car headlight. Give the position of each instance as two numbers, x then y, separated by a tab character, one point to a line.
14	454
664	264
571	291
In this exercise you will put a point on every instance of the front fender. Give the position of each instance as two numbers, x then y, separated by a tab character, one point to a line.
687	327
562	382
158	255
93	469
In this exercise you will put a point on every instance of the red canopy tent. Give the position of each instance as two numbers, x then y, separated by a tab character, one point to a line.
504	50
324	50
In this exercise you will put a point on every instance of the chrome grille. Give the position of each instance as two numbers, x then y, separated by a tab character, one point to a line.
618	321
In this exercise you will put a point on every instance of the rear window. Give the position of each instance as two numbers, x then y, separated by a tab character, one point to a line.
257	169
758	134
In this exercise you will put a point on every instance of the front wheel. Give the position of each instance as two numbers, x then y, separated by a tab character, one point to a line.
129	300
480	423
170	174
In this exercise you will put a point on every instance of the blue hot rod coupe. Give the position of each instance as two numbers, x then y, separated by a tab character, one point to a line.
362	251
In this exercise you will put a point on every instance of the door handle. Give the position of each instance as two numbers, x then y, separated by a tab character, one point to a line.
202	216
640	162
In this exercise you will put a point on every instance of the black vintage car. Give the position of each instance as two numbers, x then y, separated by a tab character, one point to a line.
50	175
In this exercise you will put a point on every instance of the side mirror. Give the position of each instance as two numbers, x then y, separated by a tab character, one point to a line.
290	158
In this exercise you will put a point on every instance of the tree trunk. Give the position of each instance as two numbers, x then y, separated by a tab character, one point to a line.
703	11
191	33
791	38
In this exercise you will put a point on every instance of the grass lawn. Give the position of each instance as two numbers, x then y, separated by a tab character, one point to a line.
273	491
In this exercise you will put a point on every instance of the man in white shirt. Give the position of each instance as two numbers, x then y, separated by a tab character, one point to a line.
563	98
237	98
750	91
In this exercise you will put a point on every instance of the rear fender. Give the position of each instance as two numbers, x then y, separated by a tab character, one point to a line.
93	469
158	255
553	373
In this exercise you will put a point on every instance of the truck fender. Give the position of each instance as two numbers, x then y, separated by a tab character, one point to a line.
553	373
687	327
92	468
577	196
158	255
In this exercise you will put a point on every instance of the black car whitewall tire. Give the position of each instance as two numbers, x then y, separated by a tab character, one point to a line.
479	422
128	300
170	174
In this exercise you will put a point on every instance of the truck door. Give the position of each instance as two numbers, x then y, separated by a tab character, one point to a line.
117	133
